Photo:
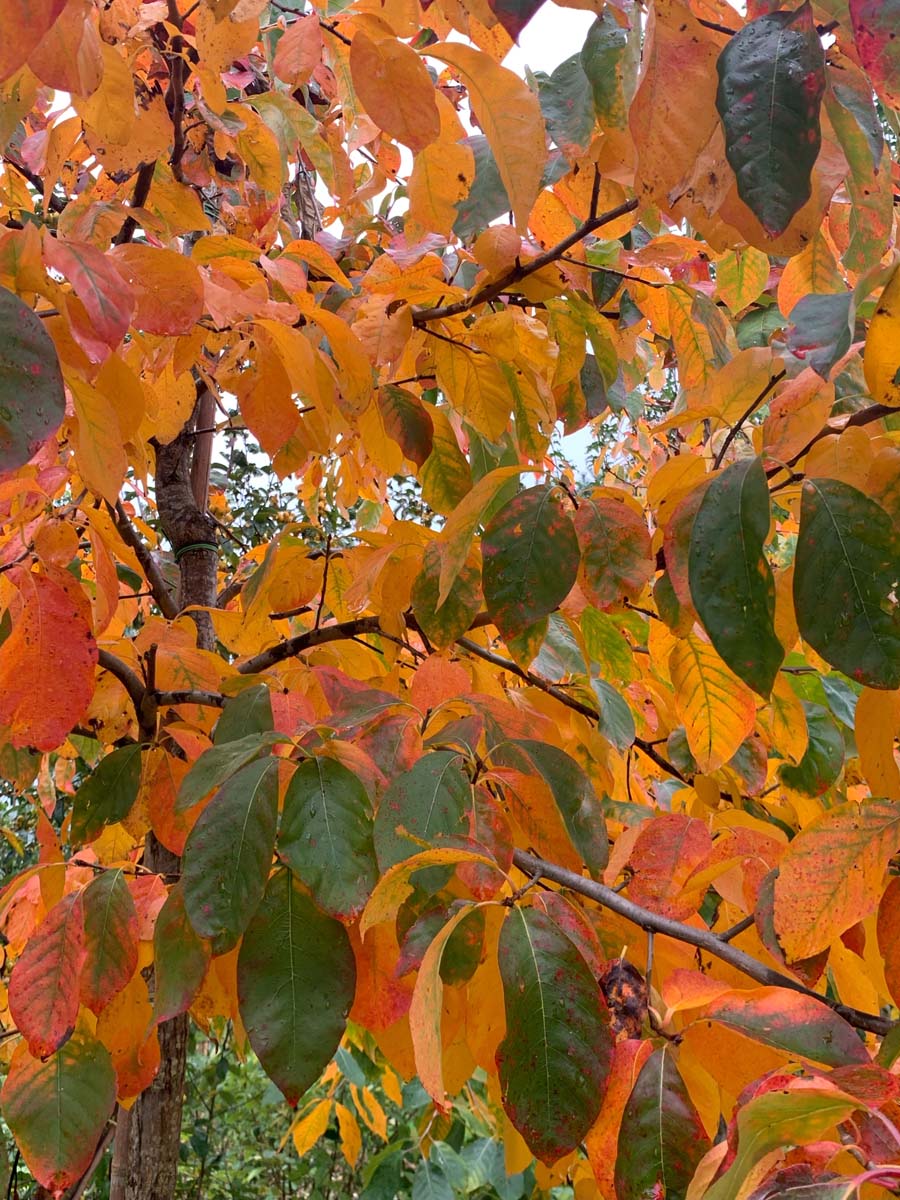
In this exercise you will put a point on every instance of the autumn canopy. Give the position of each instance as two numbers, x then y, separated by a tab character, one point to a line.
572	792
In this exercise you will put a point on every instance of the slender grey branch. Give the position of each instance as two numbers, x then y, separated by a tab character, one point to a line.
154	576
703	939
521	271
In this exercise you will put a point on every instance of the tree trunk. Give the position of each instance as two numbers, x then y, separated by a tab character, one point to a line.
153	1130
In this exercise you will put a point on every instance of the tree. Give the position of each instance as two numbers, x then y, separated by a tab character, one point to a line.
589	790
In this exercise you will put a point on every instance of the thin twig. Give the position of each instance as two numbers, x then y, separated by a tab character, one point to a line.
748	412
521	271
138	197
154	576
318	620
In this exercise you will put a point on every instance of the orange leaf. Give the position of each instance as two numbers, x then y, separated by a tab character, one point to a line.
168	290
395	89
669	849
30	19
832	874
299	51
47	662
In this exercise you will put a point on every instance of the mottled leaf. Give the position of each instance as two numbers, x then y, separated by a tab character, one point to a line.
43	987
616	559
832	874
217	764
180	958
846	582
57	1108
875	24
530	553
661	1138
609	59
110	939
792	1022
554	1061
32	400
296	981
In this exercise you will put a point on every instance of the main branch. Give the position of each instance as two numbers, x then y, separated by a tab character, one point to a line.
703	939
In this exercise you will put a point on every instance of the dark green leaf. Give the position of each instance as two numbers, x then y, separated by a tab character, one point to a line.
846	576
326	836
661	1138
229	853
296	982
731	581
530	559
771	83
219	763
555	1059
823	759
180	958
32	399
429	801
246	714
108	793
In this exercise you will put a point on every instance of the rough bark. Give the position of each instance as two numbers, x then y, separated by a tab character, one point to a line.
153	1131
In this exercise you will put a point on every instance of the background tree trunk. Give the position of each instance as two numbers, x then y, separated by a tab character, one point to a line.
153	1130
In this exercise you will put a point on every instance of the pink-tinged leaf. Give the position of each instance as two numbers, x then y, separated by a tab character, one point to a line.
101	288
168	290
832	874
554	1061
616	558
57	1108
24	23
875	26
43	987
110	937
669	849
661	1138
47	662
180	959
790	1021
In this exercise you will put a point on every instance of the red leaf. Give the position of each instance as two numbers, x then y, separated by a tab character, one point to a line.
43	987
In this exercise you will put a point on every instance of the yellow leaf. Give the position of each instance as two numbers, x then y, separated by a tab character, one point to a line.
881	360
877	725
351	1138
717	709
475	386
693	344
309	1128
99	452
741	276
812	270
441	177
787	721
370	1110
510	115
